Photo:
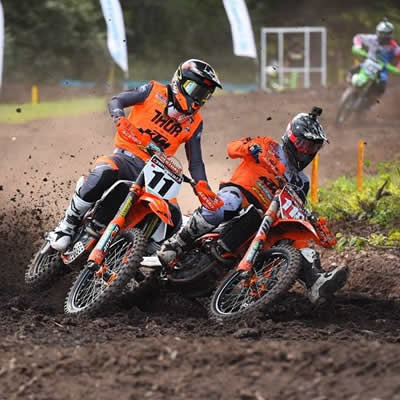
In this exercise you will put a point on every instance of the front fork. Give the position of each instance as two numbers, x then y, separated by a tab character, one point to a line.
98	254
247	262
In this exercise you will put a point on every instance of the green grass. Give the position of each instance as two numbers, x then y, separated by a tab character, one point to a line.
341	200
20	113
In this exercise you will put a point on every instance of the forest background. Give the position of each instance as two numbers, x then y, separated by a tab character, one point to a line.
48	41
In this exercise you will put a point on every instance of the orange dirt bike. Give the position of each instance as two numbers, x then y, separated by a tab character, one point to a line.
273	260
141	219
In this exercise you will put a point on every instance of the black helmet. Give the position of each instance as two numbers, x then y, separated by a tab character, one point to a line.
303	138
384	32
192	85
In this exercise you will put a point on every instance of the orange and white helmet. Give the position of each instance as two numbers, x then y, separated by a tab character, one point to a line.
192	85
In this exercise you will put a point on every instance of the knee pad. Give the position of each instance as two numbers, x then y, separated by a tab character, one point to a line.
232	198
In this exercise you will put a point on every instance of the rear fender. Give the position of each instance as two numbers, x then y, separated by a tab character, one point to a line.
300	232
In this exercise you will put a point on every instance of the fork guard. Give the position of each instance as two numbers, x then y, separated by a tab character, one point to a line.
148	203
293	229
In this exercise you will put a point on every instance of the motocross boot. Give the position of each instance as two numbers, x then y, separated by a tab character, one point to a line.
61	237
195	227
321	285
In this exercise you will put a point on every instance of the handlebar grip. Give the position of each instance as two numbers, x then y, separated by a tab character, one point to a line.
393	69
359	52
188	180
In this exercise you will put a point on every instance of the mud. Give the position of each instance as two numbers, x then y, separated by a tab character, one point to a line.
165	347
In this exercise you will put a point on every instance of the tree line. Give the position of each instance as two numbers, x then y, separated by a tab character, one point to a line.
49	40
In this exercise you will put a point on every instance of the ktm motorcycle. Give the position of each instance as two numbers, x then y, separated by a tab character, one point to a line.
356	97
140	219
273	260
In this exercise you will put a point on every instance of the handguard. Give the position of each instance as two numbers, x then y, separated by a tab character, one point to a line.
208	199
326	237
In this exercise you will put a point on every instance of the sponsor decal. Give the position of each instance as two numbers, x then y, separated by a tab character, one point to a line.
264	189
160	140
167	124
172	170
162	98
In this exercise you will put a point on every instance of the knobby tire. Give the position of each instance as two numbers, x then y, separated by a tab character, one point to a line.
44	269
292	258
101	293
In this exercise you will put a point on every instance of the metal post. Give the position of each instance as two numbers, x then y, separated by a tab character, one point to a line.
280	57
306	57
323	57
263	59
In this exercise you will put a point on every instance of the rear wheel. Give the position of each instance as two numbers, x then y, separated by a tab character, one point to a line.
199	273
241	296
91	291
45	268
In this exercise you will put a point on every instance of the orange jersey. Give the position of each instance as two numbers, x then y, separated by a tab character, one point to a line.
153	125
259	180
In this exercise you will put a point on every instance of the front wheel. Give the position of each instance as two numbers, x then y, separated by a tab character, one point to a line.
91	291
345	106
241	296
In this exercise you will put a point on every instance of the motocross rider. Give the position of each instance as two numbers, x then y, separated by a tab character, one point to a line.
382	47
255	182
166	115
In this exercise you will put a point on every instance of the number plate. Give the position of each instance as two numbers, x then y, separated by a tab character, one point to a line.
161	179
291	205
371	67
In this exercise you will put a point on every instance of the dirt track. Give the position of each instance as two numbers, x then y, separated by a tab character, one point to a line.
165	347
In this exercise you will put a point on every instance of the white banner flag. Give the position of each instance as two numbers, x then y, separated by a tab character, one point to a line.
242	32
116	40
1	42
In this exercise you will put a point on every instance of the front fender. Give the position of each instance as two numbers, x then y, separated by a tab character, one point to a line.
146	204
158	206
293	229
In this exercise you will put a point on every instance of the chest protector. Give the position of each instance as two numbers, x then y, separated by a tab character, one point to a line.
260	179
153	125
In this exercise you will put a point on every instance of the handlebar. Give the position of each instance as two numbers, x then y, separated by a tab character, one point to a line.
188	180
361	52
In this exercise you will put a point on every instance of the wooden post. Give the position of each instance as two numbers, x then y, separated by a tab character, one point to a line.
314	179
35	94
360	164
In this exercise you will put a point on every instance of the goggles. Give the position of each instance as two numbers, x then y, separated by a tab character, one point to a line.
305	146
197	92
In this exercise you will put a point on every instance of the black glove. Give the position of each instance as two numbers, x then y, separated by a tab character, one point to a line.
255	150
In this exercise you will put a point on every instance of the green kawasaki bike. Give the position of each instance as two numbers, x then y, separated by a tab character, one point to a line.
355	98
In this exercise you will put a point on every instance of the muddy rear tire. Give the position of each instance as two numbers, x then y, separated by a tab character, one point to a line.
45	268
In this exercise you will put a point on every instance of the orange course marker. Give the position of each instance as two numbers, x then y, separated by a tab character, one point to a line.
314	179
360	164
